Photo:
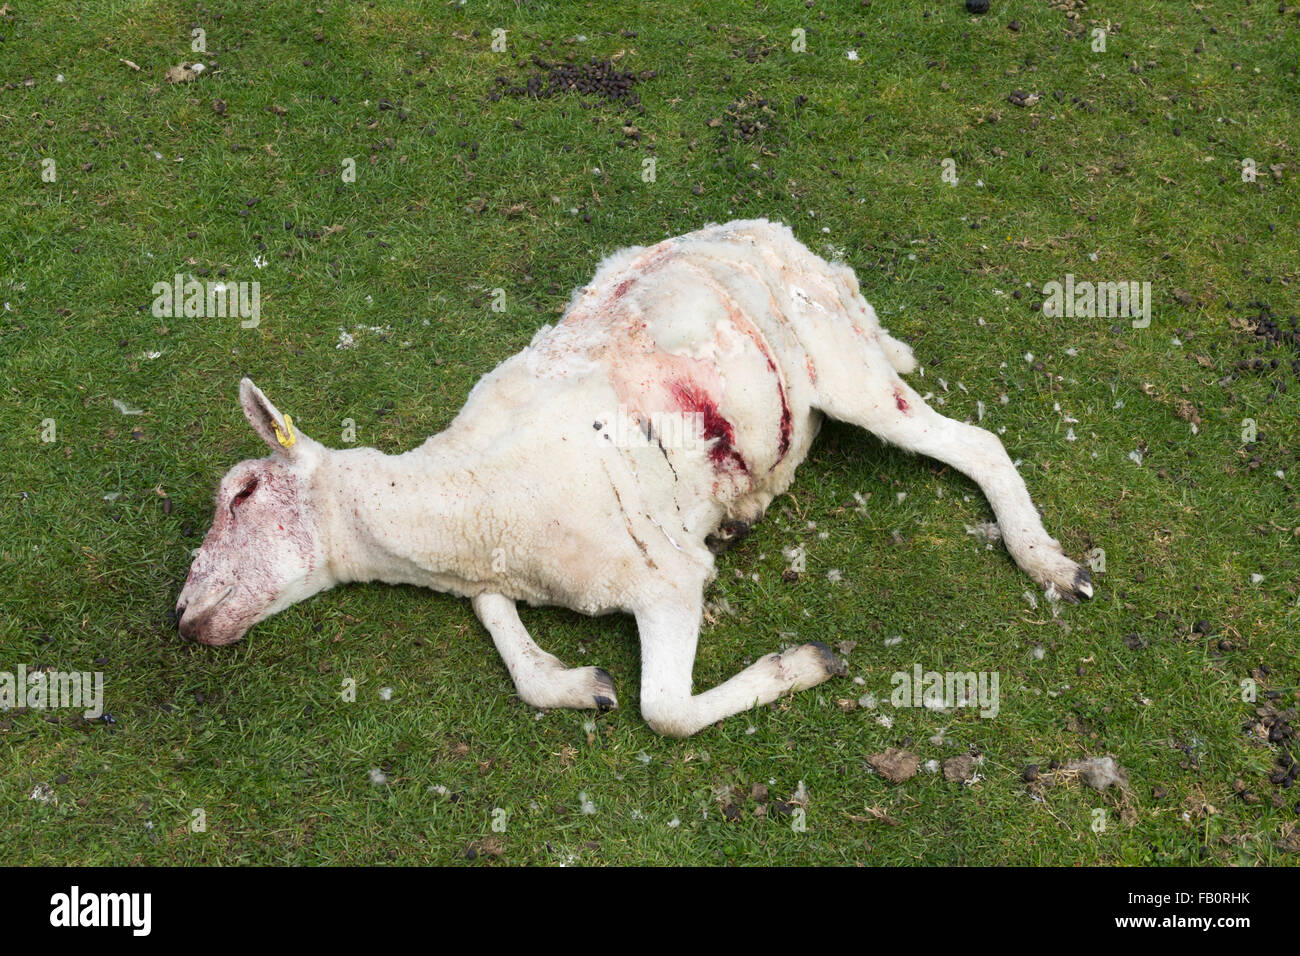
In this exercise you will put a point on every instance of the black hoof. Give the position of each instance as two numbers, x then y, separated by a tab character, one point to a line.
1083	583
606	701
730	533
1080	589
831	660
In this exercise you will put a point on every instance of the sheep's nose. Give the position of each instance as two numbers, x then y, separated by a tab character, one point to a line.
192	616
180	623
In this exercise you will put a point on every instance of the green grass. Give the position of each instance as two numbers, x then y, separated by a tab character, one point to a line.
459	194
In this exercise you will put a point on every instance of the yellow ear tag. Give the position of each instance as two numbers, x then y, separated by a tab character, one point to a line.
286	438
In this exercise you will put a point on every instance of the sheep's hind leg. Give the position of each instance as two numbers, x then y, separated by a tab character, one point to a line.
541	679
669	634
878	400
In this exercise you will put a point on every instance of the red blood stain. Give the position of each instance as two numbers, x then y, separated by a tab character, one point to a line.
900	401
692	399
787	419
743	322
652	259
787	426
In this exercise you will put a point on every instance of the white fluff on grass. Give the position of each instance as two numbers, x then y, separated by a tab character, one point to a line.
43	793
1100	772
986	533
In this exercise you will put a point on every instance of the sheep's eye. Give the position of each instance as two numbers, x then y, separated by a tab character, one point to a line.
244	492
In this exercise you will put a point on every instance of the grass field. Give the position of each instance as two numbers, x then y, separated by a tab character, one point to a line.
1137	441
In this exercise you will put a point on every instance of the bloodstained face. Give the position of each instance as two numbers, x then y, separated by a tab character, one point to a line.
263	551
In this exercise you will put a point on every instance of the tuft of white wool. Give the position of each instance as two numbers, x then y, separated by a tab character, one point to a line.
1099	772
986	533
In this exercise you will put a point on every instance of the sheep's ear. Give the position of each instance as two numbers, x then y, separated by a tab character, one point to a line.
277	430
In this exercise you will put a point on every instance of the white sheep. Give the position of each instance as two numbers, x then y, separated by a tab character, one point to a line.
602	467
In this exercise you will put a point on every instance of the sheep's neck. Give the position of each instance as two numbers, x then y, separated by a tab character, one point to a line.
403	519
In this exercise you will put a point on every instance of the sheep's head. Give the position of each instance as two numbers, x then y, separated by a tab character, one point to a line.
264	550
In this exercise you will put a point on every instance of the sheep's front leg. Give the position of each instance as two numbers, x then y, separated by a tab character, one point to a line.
541	679
669	632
